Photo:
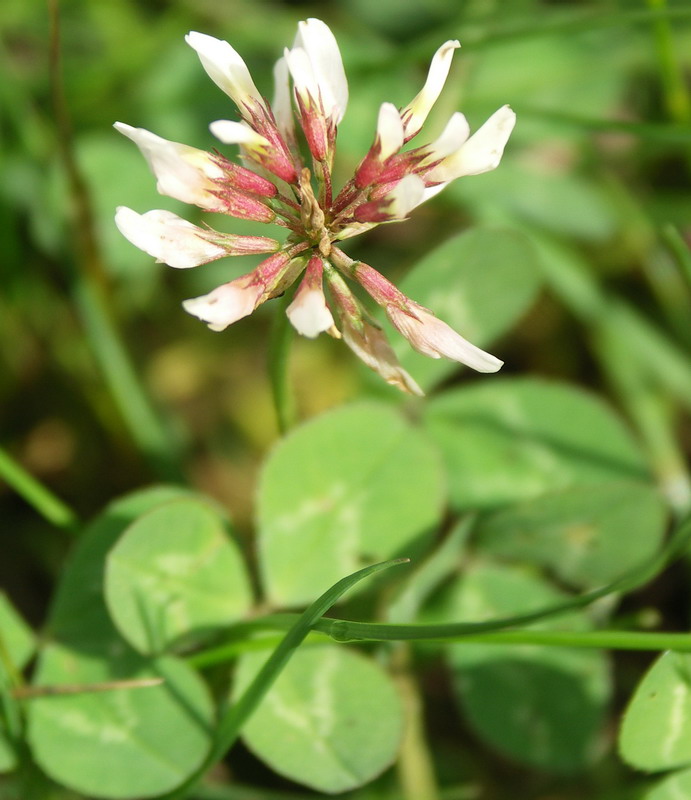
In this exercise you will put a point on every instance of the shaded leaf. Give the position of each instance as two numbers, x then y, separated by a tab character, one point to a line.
506	440
542	706
480	283
587	535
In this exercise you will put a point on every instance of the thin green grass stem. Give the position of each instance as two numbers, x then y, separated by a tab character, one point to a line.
651	415
36	495
278	364
680	249
498	33
90	286
154	440
667	132
671	71
349	631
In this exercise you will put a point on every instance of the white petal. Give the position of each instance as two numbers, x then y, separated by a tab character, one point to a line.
434	338
226	68
230	132
415	113
454	135
408	193
309	314
225	305
300	68
482	152
182	172
282	102
167	237
316	38
389	130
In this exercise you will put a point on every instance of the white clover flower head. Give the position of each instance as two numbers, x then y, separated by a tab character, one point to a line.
273	185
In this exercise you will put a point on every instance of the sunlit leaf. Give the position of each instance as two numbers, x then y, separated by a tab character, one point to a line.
122	743
175	573
78	607
332	720
674	787
656	730
17	644
351	487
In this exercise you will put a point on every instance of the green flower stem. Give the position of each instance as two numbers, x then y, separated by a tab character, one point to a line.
671	73
36	495
234	717
278	359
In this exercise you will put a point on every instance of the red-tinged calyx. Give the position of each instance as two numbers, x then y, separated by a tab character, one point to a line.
243	205
239	177
276	157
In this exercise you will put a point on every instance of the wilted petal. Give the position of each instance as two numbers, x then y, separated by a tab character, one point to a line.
320	45
370	345
182	172
481	153
415	113
434	338
167	237
226	304
308	313
226	69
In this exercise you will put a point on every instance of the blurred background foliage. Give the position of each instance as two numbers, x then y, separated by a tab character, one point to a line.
106	384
